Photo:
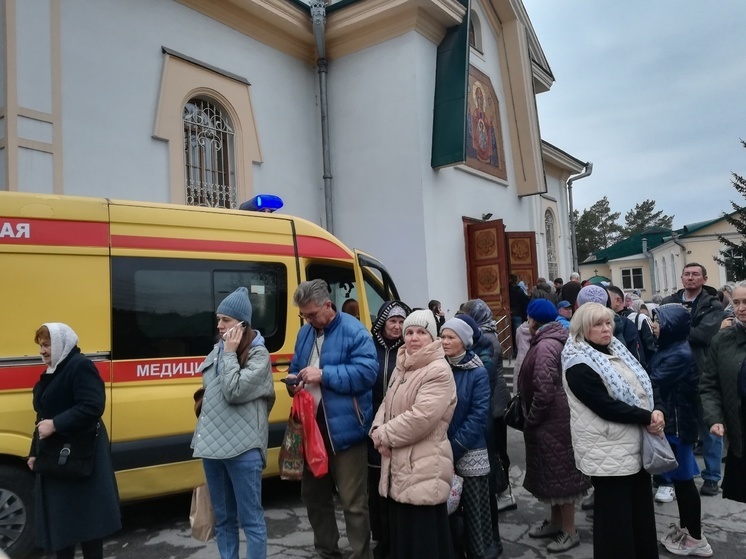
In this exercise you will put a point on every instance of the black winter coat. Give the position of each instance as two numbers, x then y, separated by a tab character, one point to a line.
706	318
386	350
626	332
72	511
674	373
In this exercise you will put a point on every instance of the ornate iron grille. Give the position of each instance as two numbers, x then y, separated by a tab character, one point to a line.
552	264
209	156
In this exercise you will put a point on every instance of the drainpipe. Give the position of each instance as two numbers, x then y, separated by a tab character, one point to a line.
318	21
586	173
651	265
682	246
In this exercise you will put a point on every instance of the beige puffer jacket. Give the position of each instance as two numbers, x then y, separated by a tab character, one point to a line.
413	420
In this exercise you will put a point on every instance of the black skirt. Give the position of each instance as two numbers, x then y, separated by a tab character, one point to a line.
734	480
419	531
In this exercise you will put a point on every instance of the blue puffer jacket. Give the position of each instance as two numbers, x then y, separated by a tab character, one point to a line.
466	431
349	365
673	371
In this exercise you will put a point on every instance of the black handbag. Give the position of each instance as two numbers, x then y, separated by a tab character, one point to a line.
66	456
514	413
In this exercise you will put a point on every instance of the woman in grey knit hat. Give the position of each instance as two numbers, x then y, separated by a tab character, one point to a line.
232	431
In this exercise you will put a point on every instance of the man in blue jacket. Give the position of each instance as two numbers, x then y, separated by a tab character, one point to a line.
335	360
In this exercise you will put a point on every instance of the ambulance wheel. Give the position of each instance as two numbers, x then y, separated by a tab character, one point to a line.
16	511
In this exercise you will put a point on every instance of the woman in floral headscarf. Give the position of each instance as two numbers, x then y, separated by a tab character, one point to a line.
69	400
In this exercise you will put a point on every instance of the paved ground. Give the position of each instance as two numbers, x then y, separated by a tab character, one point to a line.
160	529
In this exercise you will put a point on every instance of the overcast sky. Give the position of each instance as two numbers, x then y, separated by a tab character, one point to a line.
653	92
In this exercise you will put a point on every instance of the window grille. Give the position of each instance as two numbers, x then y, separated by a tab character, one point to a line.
551	246
209	156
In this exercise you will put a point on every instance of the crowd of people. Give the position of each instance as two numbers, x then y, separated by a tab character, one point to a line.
419	400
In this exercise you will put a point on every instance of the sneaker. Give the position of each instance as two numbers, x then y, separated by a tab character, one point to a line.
563	542
684	544
588	502
673	534
665	494
544	530
709	488
506	501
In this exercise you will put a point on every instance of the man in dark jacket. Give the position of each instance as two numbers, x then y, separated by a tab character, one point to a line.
335	360
707	314
616	300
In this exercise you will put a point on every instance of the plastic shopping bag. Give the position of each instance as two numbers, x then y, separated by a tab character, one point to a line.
291	451
201	515
314	448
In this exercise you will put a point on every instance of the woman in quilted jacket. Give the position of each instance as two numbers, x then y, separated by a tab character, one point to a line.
233	427
611	400
674	373
410	432
551	475
467	436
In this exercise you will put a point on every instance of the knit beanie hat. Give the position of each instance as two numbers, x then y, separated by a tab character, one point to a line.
237	305
542	311
592	294
424	319
461	329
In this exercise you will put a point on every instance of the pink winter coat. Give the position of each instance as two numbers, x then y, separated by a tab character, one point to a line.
413	420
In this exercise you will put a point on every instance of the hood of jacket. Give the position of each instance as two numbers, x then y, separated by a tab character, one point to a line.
551	331
675	321
377	330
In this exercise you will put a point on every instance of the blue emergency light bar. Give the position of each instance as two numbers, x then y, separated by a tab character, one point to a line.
262	203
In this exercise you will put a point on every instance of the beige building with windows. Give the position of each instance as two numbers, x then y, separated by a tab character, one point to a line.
652	261
429	114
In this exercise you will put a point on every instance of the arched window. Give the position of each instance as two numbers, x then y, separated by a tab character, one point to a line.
664	273
674	277
475	32
552	264
209	155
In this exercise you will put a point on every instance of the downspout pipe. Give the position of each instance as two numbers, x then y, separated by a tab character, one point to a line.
651	265
586	173
682	246
318	22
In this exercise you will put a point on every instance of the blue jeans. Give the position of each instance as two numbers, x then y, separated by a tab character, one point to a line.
235	486
712	453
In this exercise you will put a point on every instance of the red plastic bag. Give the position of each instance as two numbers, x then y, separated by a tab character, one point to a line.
314	448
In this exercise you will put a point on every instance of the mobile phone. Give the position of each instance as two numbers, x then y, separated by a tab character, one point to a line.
242	324
291	381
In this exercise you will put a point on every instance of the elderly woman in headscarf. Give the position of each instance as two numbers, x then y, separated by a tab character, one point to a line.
551	475
497	431
387	335
69	401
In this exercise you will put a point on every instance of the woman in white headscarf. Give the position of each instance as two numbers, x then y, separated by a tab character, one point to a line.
69	401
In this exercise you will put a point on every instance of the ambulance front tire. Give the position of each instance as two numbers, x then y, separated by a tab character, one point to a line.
16	511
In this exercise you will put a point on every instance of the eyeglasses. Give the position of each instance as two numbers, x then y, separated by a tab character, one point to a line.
310	317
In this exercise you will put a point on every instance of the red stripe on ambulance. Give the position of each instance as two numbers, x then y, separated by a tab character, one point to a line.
53	232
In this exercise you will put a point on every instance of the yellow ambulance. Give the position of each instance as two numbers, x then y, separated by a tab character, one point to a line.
139	283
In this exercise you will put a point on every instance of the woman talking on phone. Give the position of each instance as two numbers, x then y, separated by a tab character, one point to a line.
232	430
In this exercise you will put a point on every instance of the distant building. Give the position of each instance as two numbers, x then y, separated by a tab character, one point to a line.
652	261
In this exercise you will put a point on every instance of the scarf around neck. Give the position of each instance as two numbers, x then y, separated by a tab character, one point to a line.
577	352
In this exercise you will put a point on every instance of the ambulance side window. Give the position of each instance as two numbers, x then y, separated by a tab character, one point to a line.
166	307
